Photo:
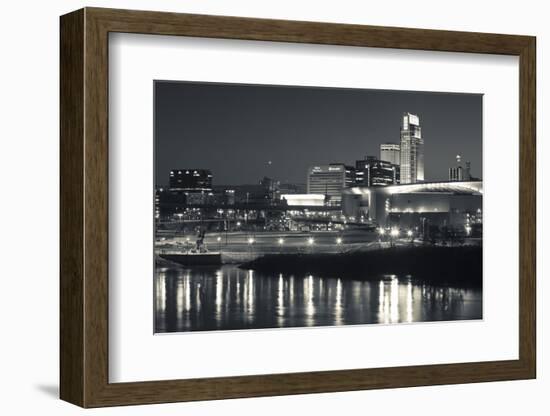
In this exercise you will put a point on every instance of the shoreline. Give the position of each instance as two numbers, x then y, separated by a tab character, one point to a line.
460	266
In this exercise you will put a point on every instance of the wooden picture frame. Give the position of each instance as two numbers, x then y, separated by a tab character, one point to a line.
84	207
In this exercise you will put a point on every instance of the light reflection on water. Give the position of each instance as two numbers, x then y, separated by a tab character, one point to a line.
228	298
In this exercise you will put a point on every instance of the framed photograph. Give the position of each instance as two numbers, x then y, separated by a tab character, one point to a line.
257	207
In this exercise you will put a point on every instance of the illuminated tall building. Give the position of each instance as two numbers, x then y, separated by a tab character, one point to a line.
412	150
390	152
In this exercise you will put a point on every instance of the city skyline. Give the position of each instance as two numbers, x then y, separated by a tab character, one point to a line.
199	125
239	245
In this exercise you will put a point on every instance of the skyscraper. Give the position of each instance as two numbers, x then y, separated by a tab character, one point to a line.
390	152
412	150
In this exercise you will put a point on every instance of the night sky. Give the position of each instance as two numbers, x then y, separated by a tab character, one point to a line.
245	132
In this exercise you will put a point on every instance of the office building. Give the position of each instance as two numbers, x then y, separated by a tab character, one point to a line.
467	174
360	166
330	180
229	196
194	180
412	150
271	187
292	188
390	152
374	172
458	173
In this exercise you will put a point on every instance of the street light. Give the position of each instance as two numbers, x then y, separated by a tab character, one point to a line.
310	242
219	239
381	233
394	233
339	242
281	242
409	233
250	245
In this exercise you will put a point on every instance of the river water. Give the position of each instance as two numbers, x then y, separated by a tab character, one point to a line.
228	298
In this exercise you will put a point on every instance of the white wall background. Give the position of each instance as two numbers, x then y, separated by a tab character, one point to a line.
29	158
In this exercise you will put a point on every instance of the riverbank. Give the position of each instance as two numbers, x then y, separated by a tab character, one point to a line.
455	266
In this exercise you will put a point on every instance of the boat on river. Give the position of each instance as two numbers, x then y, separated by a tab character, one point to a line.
197	256
209	258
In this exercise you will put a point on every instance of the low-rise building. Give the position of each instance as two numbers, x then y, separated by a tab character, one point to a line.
455	203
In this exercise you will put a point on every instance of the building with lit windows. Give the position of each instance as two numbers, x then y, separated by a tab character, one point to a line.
374	172
191	180
330	180
187	187
303	200
412	150
390	152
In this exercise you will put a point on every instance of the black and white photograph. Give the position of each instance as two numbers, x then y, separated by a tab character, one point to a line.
300	206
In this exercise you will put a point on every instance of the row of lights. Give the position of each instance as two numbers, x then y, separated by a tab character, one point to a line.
281	241
394	232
